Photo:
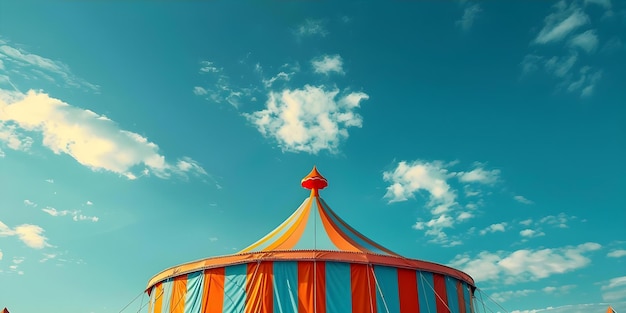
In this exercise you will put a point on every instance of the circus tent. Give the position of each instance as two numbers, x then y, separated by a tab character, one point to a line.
313	262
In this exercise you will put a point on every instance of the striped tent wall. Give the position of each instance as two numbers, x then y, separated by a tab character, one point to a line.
312	287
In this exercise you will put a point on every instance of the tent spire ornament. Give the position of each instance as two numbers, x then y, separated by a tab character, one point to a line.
314	181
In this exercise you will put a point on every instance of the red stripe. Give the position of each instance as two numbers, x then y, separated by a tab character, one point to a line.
441	297
461	296
407	289
363	289
305	288
259	295
320	281
213	293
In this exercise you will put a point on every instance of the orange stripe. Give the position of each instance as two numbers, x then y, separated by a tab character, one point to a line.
348	227
335	234
460	296
407	289
320	282
259	296
305	288
274	232
363	289
294	234
441	297
213	292
158	296
179	291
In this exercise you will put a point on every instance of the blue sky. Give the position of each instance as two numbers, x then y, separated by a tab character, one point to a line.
137	135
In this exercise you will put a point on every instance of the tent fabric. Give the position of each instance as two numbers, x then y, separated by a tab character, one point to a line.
313	287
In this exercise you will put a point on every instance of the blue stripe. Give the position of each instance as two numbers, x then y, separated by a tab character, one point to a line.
426	292
315	235
235	288
285	281
387	279
468	298
195	287
167	295
453	297
338	288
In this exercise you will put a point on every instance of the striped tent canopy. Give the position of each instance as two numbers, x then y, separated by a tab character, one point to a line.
313	262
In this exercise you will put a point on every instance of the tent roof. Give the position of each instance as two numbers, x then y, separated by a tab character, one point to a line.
313	232
315	226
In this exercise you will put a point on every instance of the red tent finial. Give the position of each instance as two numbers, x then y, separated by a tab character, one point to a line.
314	181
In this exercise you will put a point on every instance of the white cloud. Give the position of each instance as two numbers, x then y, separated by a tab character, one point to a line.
522	199
407	179
48	256
572	308
470	13
31	235
558	289
91	140
615	290
529	233
89	202
617	253
51	181
559	220
29	203
280	76
561	23
310	119
503	296
9	134
75	214
312	27
1	254
588	41
479	175
2	154
524	264
213	239
464	216
199	91
586	82
328	64
494	228
209	67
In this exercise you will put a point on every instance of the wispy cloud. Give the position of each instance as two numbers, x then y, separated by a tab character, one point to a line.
587	41
568	25
615	289
31	235
76	215
504	296
29	203
522	199
310	119
572	308
91	139
561	23
208	67
311	27
328	64
617	253
35	65
471	11
525	264
479	175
